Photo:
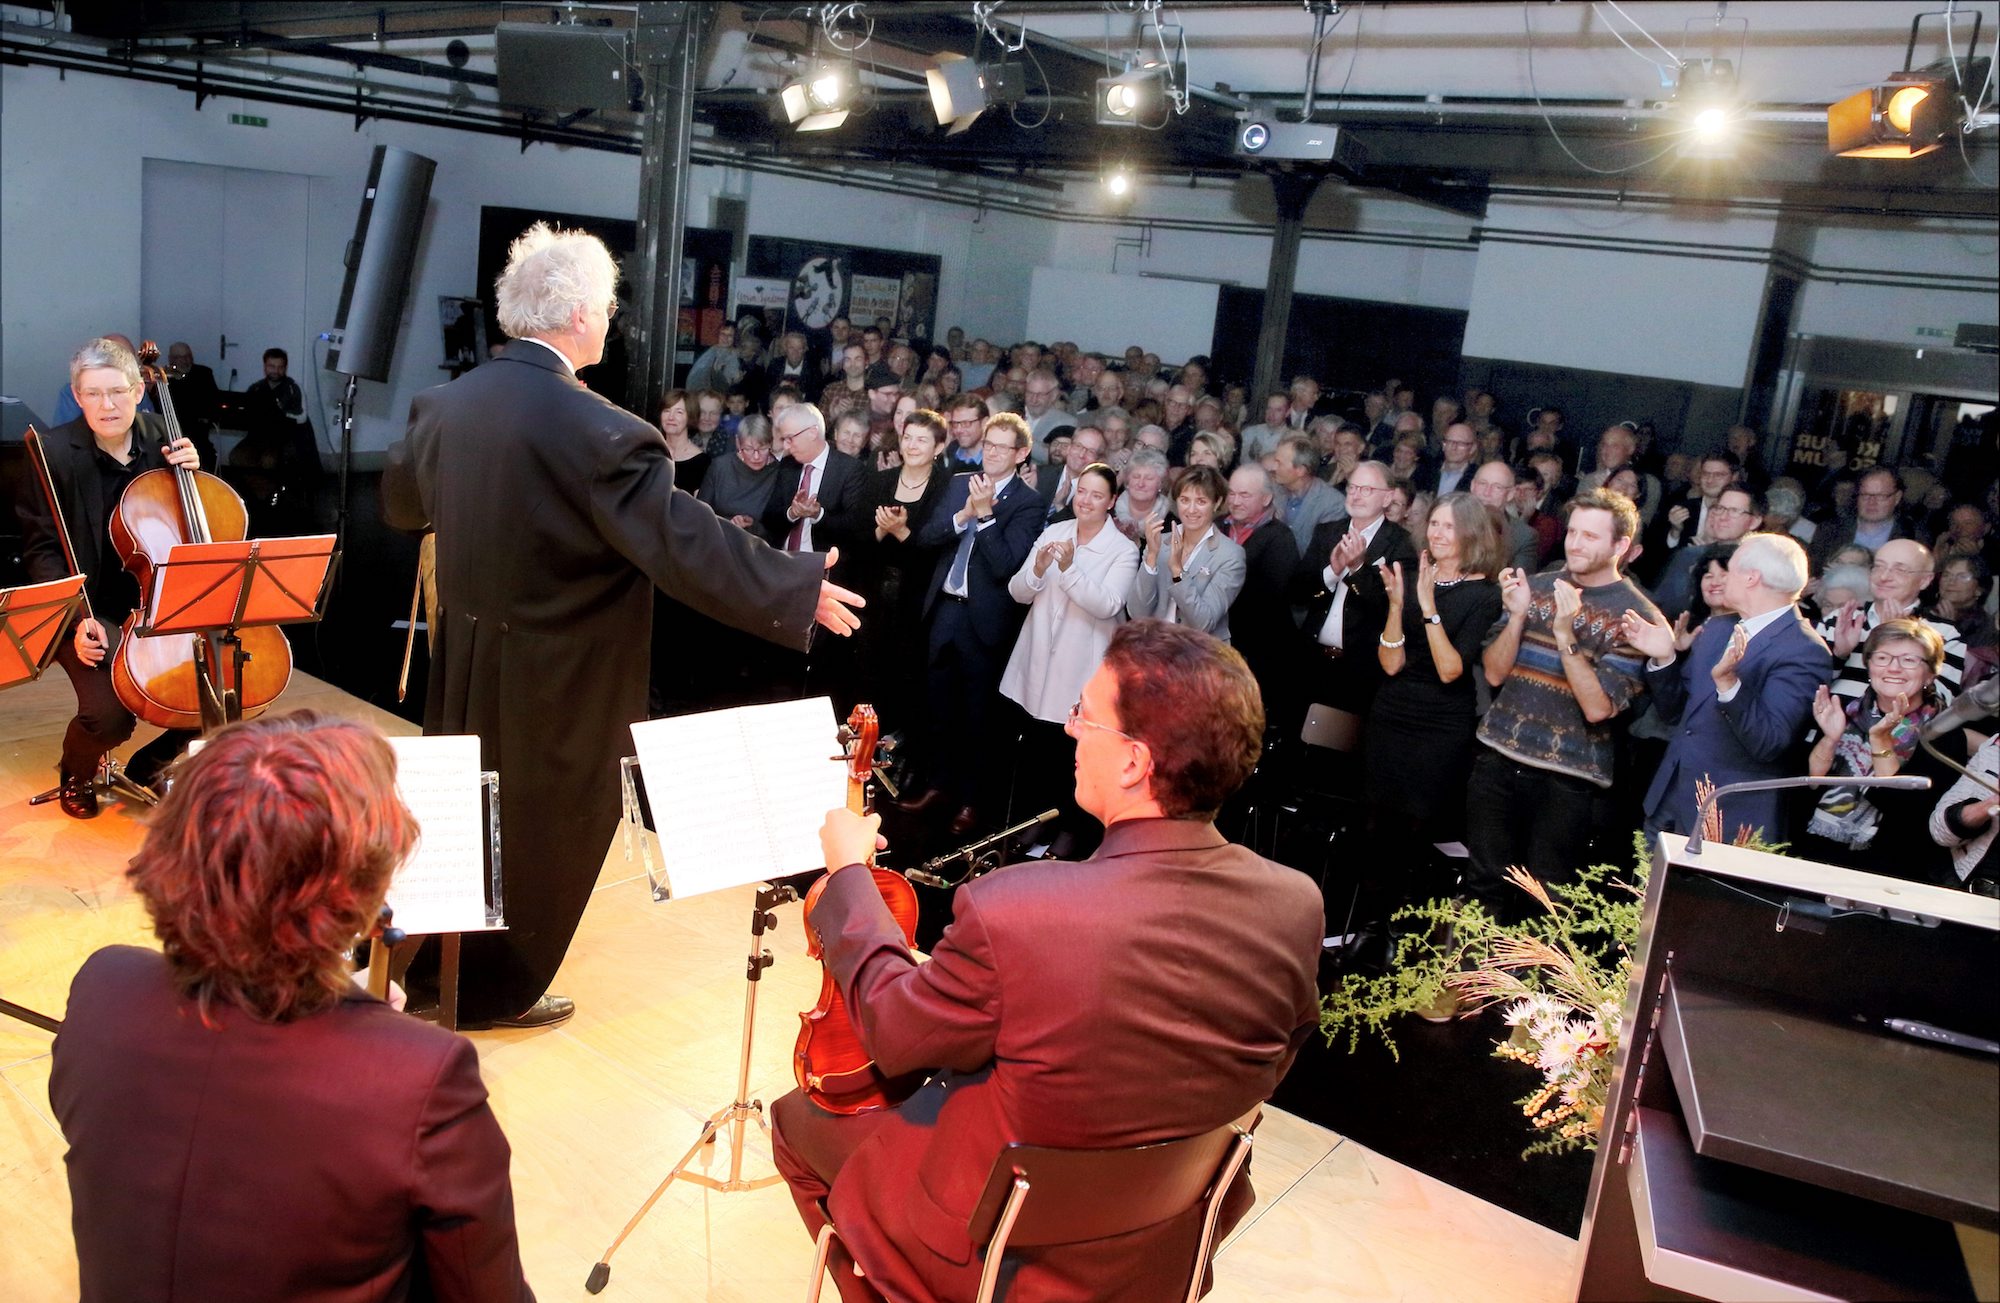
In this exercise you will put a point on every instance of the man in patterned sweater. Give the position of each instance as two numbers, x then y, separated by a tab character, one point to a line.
1562	673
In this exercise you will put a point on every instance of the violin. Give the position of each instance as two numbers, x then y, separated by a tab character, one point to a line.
155	677
831	1065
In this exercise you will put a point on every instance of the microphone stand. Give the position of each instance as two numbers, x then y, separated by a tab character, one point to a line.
1902	782
929	874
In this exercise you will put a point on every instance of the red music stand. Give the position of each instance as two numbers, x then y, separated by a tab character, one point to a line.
212	590
34	619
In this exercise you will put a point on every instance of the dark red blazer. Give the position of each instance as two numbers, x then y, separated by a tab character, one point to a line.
347	1156
1158	989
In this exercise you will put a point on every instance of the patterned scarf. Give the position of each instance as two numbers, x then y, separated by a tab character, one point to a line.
1844	814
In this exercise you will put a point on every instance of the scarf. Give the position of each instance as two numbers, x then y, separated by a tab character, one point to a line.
1844	814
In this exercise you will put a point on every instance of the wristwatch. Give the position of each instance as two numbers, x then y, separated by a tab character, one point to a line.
1433	618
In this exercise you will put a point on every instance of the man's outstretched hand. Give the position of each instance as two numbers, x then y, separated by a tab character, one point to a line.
834	611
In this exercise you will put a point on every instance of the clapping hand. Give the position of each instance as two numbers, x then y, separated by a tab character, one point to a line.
1569	601
1348	552
1849	628
1427	575
1678	517
1046	554
804	507
1155	525
1724	670
1654	638
979	495
1178	557
1828	713
1683	635
893	520
1515	593
1392	580
1894	709
1065	550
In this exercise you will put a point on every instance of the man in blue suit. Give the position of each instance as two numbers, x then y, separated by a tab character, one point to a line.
1741	699
988	521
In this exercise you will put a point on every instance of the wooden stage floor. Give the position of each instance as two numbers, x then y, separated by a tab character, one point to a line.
599	1109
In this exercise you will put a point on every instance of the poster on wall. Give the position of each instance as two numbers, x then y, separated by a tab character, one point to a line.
825	281
761	302
704	283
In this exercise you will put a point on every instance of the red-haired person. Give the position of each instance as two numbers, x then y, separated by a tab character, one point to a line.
245	1122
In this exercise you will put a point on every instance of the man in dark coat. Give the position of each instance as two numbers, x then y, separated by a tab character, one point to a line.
983	531
1159	989
556	518
1740	700
1260	619
1341	569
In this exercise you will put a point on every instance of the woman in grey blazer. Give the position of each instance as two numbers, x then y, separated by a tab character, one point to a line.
1191	573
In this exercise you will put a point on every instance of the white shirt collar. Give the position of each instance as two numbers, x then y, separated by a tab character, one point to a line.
1757	624
529	339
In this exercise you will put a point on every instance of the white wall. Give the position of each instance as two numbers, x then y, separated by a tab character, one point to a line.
1841	298
1605	289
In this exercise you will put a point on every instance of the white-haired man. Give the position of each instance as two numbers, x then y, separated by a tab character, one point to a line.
91	459
556	518
1739	701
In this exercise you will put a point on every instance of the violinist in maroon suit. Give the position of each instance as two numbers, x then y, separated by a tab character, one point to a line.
245	1123
1156	990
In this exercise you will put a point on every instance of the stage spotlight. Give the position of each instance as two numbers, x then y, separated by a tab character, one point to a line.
1906	117
1132	96
1118	183
1707	100
818	101
962	88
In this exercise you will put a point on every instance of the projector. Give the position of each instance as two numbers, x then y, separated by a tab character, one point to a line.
1297	142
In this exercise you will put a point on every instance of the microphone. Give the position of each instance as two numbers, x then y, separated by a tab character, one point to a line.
927	874
1901	782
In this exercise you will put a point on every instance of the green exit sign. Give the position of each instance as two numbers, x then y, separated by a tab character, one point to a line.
1932	332
248	120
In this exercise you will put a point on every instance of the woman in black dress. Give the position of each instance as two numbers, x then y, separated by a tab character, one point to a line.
690	458
895	571
1420	730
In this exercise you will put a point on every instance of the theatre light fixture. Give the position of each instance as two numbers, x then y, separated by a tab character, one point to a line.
1709	105
818	101
1909	113
1135	97
1118	182
962	88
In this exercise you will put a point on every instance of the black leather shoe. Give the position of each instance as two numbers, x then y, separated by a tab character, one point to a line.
78	796
545	1012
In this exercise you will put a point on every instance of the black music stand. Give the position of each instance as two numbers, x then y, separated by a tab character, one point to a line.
33	621
213	590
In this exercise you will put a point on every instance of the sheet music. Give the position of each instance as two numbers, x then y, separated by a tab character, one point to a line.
442	886
738	796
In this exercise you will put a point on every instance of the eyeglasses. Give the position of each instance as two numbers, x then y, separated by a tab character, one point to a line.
1728	511
1353	488
118	395
1076	720
1885	568
1001	445
966	424
1889	660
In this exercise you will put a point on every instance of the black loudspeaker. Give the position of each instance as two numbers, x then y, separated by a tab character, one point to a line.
380	259
562	69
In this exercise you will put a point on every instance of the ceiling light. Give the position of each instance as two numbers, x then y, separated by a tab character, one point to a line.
962	88
1132	96
1905	117
1707	101
818	101
1118	183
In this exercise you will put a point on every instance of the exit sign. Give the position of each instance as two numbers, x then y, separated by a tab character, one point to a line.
248	120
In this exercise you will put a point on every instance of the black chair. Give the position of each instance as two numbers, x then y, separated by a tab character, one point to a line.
1092	1194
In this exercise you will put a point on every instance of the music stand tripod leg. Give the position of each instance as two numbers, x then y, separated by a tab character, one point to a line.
732	1114
29	1016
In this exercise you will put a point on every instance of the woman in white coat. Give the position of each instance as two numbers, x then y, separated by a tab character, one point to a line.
1074	584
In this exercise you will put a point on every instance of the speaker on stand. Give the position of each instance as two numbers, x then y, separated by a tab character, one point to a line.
380	260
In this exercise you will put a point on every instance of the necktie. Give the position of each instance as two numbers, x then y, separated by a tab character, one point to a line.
799	526
955	578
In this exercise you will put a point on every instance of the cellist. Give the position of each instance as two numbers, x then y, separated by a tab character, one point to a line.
90	461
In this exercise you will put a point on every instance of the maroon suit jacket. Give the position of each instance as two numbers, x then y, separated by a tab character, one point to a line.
1159	989
347	1156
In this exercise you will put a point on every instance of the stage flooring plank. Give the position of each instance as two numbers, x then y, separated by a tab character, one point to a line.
599	1109
1363	1227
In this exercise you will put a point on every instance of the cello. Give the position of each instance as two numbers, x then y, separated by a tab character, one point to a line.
157	678
831	1065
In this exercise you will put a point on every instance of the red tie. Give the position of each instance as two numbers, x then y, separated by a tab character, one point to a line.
799	526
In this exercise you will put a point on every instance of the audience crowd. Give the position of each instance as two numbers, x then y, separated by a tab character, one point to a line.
1541	642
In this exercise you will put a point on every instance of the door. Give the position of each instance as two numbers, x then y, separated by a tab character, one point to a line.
224	265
